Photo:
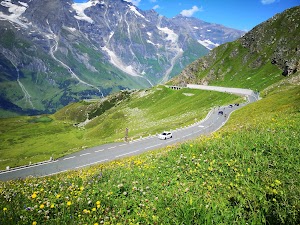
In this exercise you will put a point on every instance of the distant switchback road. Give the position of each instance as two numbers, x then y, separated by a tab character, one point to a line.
113	151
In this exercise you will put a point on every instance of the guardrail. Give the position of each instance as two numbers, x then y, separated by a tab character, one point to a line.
8	168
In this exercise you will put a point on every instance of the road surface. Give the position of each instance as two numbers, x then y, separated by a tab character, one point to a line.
113	151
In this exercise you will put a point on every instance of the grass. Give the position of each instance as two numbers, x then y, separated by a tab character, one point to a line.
235	71
246	173
27	140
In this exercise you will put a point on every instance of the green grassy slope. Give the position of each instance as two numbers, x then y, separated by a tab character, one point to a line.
34	139
246	173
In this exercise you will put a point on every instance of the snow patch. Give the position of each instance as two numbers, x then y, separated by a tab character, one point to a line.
15	10
208	44
150	42
71	29
132	8
119	64
196	28
23	4
172	36
81	7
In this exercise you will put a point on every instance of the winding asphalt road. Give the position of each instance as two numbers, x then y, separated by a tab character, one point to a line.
113	151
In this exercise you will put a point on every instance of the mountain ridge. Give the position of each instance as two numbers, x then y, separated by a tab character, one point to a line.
56	52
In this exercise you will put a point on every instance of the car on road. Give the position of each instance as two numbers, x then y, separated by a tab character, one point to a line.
220	113
237	104
230	106
165	135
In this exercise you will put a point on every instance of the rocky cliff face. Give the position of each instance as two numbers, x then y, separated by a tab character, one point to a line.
269	50
279	34
53	52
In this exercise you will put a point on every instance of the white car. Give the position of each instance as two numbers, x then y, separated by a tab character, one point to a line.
165	135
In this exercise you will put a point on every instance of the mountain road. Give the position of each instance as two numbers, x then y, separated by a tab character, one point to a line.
113	151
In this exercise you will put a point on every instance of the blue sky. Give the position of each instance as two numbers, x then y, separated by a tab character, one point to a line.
238	14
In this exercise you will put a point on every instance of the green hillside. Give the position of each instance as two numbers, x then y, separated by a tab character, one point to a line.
145	112
263	56
246	173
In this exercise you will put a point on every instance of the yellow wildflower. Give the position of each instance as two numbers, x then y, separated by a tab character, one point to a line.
52	206
249	170
33	195
58	196
85	211
4	209
34	223
42	206
69	203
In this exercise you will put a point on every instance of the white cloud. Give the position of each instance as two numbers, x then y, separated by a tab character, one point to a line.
156	7
266	2
190	12
135	2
